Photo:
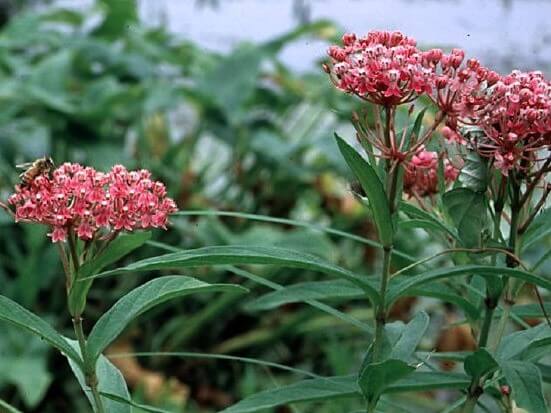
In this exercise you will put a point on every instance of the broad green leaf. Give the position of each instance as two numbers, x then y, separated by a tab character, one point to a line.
315	290
140	300
233	81
119	16
376	377
419	215
526	384
374	189
109	379
8	408
342	387
518	344
467	209
235	255
479	363
118	248
13	313
400	286
474	174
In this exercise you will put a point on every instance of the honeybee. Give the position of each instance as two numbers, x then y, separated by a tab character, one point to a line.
34	169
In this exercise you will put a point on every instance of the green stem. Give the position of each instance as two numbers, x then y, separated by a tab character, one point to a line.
392	191
89	370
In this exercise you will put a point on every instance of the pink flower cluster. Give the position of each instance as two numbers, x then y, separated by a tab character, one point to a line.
421	174
385	68
515	115
514	111
83	200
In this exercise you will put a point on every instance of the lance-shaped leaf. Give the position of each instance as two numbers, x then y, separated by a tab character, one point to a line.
342	387
373	188
301	292
400	286
422	218
13	313
140	300
246	254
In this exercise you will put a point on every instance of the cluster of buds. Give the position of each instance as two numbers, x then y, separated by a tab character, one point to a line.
84	201
421	174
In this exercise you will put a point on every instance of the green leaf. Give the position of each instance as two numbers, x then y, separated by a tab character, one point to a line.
400	286
8	408
420	215
376	377
467	209
520	344
235	255
526	384
13	313
480	363
140	300
302	391
316	290
118	248
474	174
538	229
446	294
233	80
342	387
109	379
132	403
119	16
410	335
373	188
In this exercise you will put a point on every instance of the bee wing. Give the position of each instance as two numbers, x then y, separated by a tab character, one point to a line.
25	165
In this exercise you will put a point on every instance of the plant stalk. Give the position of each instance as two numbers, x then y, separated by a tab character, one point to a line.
89	371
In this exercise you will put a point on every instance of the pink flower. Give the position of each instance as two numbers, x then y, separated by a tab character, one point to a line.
83	200
383	67
421	174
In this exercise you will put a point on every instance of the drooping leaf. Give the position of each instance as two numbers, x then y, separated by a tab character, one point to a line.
118	248
467	209
400	286
140	300
235	255
480	363
446	294
343	387
315	290
109	379
374	189
526	384
13	313
131	403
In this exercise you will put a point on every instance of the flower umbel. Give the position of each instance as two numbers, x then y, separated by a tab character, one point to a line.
383	67
86	201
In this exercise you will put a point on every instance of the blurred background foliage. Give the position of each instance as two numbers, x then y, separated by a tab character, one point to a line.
236	132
